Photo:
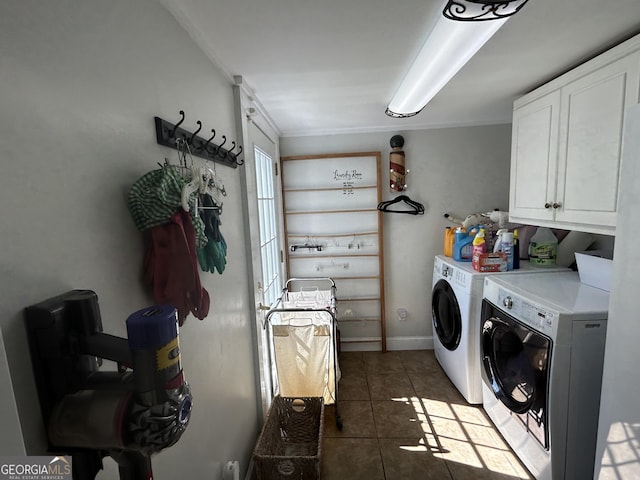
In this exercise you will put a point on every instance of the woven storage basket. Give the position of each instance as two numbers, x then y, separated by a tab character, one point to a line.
290	443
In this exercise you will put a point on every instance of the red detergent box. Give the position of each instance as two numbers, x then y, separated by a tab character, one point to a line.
490	262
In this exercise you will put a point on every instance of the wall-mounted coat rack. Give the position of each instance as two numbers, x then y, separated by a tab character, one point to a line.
167	133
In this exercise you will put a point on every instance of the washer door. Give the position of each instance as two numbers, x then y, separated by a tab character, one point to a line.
516	366
447	322
515	361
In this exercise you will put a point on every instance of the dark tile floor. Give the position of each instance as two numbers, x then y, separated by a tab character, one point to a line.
403	420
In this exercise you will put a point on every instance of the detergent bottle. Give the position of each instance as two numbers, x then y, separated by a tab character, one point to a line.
462	247
543	248
449	238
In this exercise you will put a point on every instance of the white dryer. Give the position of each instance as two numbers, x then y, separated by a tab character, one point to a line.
456	301
542	346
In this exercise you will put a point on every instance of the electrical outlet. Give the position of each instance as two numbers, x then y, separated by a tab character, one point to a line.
231	470
402	314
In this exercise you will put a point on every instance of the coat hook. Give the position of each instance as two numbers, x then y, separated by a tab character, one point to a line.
224	140
206	147
239	162
173	132
230	155
196	133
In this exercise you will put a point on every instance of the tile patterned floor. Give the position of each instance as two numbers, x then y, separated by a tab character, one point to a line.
404	420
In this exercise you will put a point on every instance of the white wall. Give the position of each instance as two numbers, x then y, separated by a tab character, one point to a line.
80	85
455	170
618	448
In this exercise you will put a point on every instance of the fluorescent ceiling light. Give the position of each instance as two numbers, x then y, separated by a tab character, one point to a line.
448	47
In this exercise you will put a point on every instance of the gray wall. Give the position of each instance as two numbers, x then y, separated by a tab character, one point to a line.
80	85
456	170
618	449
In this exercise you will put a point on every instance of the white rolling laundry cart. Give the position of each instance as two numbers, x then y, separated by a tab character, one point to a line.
302	332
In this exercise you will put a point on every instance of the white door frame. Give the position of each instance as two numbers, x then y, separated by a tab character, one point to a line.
247	111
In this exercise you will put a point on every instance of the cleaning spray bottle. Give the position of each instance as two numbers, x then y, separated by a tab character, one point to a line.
507	248
504	244
479	243
479	247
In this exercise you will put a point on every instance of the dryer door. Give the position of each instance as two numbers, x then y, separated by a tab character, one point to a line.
447	322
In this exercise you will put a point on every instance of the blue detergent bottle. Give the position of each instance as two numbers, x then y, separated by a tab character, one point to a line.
463	244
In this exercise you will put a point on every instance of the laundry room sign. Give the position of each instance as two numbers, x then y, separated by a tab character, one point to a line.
348	179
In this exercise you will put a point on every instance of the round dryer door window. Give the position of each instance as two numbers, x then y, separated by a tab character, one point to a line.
447	321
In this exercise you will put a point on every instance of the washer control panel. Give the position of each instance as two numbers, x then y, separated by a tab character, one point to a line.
526	312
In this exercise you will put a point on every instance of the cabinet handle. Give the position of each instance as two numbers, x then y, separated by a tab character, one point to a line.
547	205
556	205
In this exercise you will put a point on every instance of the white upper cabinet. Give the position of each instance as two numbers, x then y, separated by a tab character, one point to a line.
534	158
566	144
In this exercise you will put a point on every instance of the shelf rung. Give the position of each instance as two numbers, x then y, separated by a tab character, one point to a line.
358	299
324	212
332	235
329	189
358	320
360	340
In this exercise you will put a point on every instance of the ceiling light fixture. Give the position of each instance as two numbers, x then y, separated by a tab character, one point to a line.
480	10
449	46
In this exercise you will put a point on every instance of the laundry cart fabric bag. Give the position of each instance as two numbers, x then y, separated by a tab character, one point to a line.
304	358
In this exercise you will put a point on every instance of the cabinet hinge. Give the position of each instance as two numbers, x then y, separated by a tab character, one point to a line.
275	168
281	256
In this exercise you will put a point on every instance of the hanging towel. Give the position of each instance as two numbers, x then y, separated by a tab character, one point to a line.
171	268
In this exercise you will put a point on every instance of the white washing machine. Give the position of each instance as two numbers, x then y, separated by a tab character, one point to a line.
456	301
542	345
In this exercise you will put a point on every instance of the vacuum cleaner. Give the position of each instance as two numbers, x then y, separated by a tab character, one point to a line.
139	407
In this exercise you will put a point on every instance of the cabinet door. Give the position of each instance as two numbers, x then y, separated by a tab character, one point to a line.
534	149
592	116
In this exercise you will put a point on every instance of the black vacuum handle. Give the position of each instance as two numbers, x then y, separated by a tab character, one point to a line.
133	465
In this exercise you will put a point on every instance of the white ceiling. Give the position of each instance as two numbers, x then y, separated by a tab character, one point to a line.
331	66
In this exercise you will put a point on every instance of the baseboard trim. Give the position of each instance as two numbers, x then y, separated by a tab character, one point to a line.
409	343
393	343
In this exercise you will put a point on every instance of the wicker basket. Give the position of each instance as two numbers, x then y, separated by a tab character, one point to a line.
290	443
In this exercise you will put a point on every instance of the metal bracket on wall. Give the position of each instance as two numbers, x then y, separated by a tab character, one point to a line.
167	133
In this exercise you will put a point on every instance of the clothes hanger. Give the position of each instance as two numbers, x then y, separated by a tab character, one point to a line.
415	208
212	184
194	183
308	245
